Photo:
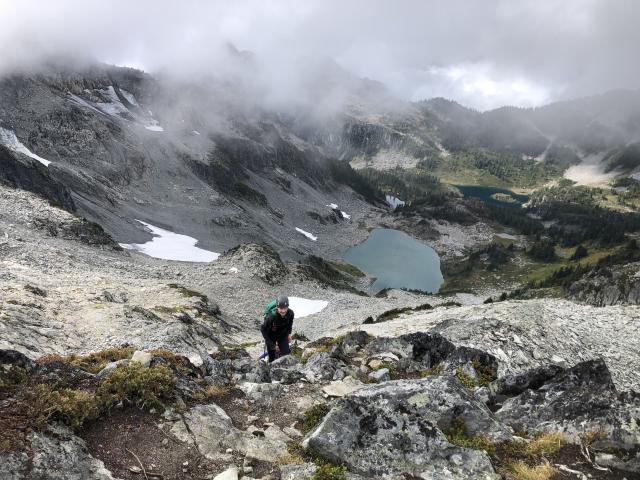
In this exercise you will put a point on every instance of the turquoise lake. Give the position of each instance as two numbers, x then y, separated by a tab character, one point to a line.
397	261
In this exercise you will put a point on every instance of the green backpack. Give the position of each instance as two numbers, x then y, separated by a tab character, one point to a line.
269	307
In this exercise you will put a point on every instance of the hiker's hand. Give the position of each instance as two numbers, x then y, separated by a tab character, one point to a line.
289	338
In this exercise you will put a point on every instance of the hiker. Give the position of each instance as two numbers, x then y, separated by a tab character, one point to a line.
276	327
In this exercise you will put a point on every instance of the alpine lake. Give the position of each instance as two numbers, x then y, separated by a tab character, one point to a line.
397	260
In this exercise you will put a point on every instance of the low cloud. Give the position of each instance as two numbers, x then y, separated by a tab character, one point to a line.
480	54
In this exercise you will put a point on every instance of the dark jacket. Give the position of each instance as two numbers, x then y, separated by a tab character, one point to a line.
275	326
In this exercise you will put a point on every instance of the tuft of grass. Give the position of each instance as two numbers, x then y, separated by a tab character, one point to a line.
464	378
327	471
457	434
212	391
314	416
548	443
51	358
72	407
290	459
144	387
522	471
299	336
94	362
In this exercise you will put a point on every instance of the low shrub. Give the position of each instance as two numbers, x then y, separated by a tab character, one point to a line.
144	387
72	407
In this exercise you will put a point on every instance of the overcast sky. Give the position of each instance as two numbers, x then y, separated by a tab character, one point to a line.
483	54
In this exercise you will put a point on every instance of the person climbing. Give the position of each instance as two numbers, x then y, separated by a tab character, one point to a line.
276	327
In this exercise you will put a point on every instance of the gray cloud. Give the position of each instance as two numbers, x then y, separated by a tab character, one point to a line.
483	54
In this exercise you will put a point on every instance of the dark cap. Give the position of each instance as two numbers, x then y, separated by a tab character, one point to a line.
283	301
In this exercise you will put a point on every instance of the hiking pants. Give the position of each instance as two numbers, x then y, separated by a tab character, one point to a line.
283	344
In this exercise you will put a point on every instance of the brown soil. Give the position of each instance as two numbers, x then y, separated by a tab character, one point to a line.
116	438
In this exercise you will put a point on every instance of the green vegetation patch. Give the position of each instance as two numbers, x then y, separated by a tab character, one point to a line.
314	416
94	362
186	292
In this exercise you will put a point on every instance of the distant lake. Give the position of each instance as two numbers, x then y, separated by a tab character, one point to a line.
397	261
492	195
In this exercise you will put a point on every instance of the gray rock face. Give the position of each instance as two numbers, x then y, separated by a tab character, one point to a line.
577	400
606	286
396	427
60	455
523	335
398	346
212	431
321	366
286	369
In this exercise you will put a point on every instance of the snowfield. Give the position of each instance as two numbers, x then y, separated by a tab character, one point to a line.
303	307
9	140
171	246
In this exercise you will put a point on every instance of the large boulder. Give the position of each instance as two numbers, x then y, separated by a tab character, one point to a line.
322	366
211	430
577	400
429	349
397	428
286	369
57	454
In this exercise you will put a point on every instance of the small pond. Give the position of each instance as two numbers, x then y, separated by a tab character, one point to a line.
494	195
397	261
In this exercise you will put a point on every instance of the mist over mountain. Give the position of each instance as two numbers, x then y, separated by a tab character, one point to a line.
319	240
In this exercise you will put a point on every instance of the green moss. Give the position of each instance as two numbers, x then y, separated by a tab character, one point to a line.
314	416
185	292
327	471
486	373
464	378
169	310
457	434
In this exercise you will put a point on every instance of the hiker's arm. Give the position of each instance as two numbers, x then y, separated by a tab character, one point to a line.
290	326
265	329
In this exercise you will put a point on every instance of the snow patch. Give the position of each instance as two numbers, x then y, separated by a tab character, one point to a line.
171	246
333	206
345	215
130	98
112	106
635	176
307	234
154	127
303	307
8	138
233	270
195	132
394	202
506	236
